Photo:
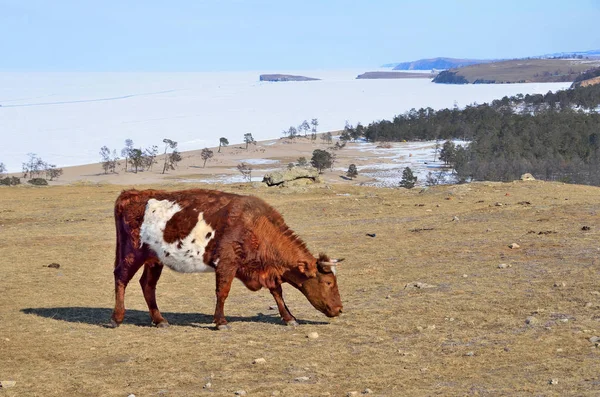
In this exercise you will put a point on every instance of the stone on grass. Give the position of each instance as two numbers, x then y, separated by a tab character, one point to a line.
4	384
594	339
259	361
531	320
513	246
418	285
559	284
312	335
527	177
504	266
241	393
553	382
352	394
367	391
302	379
207	386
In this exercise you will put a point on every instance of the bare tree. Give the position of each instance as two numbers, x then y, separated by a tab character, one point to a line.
206	154
314	123
249	139
136	159
169	163
150	157
126	151
304	127
52	172
110	161
34	167
222	142
246	171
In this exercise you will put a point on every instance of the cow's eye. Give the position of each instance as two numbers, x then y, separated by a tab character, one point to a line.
329	283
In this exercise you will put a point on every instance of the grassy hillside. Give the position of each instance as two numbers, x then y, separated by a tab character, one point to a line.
518	71
467	335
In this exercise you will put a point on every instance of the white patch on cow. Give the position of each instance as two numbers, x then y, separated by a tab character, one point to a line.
216	261
186	255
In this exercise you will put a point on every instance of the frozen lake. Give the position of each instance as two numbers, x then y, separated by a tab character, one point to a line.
65	118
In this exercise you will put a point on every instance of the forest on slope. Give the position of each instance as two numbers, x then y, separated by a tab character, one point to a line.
555	136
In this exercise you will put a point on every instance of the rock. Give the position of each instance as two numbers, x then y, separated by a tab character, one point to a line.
207	386
498	204
352	394
531	320
559	284
131	395
54	265
5	384
241	393
388	296
527	177
419	285
504	266
312	335
371	234
455	219
259	361
585	228
514	246
553	382
589	304
284	177
367	391
469	354
594	339
302	379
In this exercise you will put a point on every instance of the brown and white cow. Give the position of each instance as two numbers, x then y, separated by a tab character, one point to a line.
206	230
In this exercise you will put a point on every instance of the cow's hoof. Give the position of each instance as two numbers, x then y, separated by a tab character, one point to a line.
223	327
112	324
163	324
292	323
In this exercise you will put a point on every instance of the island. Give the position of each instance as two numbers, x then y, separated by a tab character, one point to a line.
285	77
396	75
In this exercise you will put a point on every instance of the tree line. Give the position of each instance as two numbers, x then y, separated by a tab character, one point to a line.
555	136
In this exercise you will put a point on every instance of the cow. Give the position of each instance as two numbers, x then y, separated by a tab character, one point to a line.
232	235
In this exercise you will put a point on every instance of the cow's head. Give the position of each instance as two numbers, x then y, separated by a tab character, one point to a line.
320	288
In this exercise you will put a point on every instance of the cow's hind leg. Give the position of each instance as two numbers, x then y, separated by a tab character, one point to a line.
148	282
286	316
123	272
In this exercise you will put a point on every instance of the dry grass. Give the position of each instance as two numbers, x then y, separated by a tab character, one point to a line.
467	336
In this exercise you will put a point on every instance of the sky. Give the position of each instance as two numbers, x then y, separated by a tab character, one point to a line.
236	35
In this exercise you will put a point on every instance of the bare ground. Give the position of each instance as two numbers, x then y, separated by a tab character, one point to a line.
466	336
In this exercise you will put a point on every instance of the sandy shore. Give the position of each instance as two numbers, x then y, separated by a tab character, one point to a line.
376	165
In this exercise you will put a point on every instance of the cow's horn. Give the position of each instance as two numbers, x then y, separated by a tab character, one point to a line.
332	262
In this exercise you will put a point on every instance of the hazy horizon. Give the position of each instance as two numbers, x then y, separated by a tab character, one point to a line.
150	35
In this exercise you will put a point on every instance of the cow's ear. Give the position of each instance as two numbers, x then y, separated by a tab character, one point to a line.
307	269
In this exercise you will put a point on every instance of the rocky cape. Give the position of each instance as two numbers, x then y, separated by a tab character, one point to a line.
395	75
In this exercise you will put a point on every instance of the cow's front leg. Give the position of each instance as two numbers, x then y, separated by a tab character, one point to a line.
277	293
148	282
224	278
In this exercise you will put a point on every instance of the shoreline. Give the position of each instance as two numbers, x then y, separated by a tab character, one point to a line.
377	165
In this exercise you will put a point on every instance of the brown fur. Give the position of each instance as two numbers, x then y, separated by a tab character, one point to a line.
252	242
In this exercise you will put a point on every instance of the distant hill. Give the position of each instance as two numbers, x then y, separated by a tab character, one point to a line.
592	54
437	63
518	71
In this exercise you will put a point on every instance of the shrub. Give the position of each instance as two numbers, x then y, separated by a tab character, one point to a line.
10	181
38	181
